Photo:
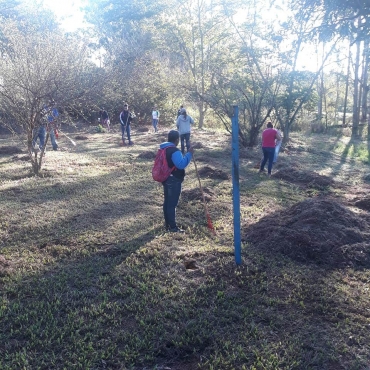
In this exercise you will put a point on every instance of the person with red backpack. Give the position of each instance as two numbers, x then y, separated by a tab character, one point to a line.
172	185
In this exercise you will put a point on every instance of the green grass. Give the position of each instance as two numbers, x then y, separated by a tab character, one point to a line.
90	280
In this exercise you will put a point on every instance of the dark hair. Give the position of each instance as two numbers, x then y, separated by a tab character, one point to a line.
269	125
173	136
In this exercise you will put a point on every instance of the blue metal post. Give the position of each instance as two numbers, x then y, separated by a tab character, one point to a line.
236	192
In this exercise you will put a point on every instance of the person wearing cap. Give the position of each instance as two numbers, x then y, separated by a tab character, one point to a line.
126	117
183	123
172	186
155	118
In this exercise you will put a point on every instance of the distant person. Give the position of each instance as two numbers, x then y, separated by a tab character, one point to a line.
172	186
155	118
49	115
269	136
277	147
183	123
126	117
53	114
179	111
104	118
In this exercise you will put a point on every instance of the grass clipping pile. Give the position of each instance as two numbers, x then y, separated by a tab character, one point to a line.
315	230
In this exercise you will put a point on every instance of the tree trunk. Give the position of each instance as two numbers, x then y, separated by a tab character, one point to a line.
364	83
356	115
347	85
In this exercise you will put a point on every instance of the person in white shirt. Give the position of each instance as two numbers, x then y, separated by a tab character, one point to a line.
155	117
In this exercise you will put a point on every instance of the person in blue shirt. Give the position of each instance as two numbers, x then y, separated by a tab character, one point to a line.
48	122
172	186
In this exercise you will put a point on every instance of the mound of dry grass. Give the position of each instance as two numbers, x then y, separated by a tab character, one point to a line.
315	230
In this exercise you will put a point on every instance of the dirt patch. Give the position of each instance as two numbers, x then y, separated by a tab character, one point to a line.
10	150
308	178
213	173
81	137
147	155
196	194
315	230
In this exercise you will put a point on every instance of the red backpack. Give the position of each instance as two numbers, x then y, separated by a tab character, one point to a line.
161	170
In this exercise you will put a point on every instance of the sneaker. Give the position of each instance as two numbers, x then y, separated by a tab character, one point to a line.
176	230
130	143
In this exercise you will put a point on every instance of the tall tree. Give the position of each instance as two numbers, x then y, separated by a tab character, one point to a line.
39	67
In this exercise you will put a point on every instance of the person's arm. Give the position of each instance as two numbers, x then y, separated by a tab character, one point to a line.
181	161
178	122
278	136
191	120
120	118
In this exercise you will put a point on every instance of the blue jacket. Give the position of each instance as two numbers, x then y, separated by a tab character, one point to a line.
180	161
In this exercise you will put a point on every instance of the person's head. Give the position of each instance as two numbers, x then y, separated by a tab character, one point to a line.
183	112
173	137
270	125
181	106
125	106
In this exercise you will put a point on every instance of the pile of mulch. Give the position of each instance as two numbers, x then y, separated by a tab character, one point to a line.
147	155
5	266
308	178
81	137
315	230
197	145
196	194
10	150
142	129
21	158
363	204
213	173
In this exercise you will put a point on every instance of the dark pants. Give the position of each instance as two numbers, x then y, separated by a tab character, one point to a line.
268	154
185	138
172	191
127	129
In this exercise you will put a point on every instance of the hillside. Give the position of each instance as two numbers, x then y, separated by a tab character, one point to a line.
90	280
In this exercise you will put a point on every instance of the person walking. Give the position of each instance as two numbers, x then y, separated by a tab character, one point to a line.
126	117
269	136
172	186
183	123
155	118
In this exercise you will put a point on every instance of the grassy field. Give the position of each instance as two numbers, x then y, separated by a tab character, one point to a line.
90	280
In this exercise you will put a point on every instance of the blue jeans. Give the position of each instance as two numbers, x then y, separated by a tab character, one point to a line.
155	123
268	154
41	133
172	191
127	129
53	140
185	138
277	148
